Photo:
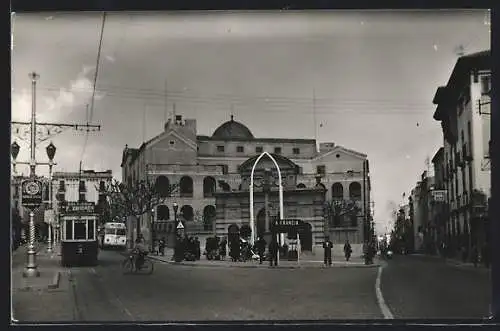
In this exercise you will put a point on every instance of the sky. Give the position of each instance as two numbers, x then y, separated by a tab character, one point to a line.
368	76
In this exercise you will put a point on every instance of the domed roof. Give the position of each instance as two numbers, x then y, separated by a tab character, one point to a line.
231	130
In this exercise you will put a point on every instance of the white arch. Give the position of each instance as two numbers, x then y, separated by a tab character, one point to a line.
252	220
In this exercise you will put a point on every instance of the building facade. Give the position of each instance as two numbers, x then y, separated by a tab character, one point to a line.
84	186
463	108
198	172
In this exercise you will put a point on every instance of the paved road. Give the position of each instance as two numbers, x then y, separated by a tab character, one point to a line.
177	293
413	287
426	287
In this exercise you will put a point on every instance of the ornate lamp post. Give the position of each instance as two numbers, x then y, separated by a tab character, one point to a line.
51	152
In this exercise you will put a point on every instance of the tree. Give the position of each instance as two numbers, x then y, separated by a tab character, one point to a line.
335	210
133	200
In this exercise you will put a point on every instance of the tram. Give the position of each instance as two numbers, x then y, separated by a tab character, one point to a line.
79	244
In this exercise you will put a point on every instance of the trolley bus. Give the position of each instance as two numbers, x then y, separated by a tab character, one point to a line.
79	234
115	235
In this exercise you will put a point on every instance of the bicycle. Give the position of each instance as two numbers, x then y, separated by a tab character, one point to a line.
129	266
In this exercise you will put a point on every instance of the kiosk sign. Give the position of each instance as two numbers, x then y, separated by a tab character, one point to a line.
73	207
288	225
31	196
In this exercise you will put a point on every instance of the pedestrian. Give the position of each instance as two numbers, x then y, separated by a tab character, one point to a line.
475	255
223	249
366	252
261	249
161	246
327	251
347	250
485	255
274	251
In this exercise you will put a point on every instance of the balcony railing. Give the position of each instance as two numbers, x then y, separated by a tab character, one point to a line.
185	168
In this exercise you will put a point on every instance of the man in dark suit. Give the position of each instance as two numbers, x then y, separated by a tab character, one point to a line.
273	251
327	248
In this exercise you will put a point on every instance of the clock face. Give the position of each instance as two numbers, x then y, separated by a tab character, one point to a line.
32	188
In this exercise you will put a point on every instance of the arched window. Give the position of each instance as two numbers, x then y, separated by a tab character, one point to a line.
209	186
301	185
208	217
162	186
224	186
187	212
162	213
355	190
186	186
337	191
320	186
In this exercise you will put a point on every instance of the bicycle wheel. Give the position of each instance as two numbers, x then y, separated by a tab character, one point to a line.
127	266
147	267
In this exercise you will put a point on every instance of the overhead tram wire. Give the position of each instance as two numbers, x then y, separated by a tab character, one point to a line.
90	112
352	107
179	95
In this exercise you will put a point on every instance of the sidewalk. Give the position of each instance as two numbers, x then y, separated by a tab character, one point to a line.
48	266
453	261
337	261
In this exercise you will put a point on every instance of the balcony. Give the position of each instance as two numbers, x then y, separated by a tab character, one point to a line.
159	169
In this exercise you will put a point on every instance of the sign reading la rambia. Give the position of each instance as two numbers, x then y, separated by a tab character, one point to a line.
73	207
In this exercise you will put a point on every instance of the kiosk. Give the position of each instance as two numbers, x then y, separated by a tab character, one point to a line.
79	246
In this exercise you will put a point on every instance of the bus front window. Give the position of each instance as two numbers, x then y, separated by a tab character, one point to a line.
121	232
109	231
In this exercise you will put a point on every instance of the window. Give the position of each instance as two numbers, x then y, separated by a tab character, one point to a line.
80	230
296	151
258	149
220	148
62	186
102	186
69	230
121	232
321	169
90	233
171	142
240	149
82	197
110	231
277	150
485	85
81	186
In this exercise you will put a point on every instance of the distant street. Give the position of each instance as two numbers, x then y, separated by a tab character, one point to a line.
427	287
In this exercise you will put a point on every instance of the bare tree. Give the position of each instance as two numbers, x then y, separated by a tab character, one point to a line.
134	200
334	211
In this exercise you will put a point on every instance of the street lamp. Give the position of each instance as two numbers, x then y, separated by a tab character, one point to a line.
14	151
176	231
51	152
153	237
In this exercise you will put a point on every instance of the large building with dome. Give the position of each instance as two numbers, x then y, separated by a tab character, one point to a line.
326	186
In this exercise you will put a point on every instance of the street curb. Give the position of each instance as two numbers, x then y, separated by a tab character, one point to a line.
55	281
243	266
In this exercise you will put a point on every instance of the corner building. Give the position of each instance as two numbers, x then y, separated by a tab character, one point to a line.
208	177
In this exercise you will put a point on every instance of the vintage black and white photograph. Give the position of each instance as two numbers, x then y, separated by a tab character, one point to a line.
250	166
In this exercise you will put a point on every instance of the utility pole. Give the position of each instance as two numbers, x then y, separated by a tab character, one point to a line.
48	130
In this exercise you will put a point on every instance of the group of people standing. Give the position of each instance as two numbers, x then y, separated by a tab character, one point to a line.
187	248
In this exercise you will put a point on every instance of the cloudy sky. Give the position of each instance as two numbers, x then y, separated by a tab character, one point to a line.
373	75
